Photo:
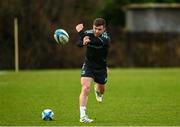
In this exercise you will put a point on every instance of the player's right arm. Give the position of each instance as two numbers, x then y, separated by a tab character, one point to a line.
84	39
79	27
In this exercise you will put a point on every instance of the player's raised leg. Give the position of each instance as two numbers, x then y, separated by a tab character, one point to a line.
99	91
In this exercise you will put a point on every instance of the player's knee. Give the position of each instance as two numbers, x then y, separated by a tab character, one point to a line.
86	88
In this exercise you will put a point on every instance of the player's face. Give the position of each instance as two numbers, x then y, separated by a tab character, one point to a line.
98	30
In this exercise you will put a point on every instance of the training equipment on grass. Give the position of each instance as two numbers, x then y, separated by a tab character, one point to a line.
61	36
47	114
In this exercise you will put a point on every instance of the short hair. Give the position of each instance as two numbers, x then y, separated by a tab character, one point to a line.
99	22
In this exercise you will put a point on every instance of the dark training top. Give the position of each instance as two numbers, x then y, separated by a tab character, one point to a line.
97	49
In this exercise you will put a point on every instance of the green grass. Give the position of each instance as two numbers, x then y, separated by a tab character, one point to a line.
133	97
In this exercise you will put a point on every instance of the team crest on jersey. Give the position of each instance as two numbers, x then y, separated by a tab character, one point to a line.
83	72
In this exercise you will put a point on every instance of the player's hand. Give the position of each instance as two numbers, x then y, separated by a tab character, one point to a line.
86	40
79	27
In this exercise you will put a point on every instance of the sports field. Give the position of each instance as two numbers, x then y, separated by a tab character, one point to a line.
133	97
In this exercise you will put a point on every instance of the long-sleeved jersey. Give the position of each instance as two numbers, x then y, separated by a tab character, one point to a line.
97	49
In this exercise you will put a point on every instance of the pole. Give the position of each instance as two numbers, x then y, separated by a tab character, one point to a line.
16	44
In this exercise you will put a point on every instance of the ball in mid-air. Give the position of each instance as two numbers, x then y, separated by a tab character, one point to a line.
47	114
61	36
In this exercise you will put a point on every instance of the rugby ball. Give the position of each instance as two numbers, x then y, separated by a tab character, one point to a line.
47	114
61	36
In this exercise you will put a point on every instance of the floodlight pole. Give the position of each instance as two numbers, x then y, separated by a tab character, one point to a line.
16	45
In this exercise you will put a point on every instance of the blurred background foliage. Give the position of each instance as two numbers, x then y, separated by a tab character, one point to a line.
38	19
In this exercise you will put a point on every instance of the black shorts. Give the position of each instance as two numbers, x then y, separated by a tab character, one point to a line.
99	75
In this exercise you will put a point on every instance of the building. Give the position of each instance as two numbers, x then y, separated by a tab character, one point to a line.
153	18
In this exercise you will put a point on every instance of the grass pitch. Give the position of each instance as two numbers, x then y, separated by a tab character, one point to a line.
133	97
